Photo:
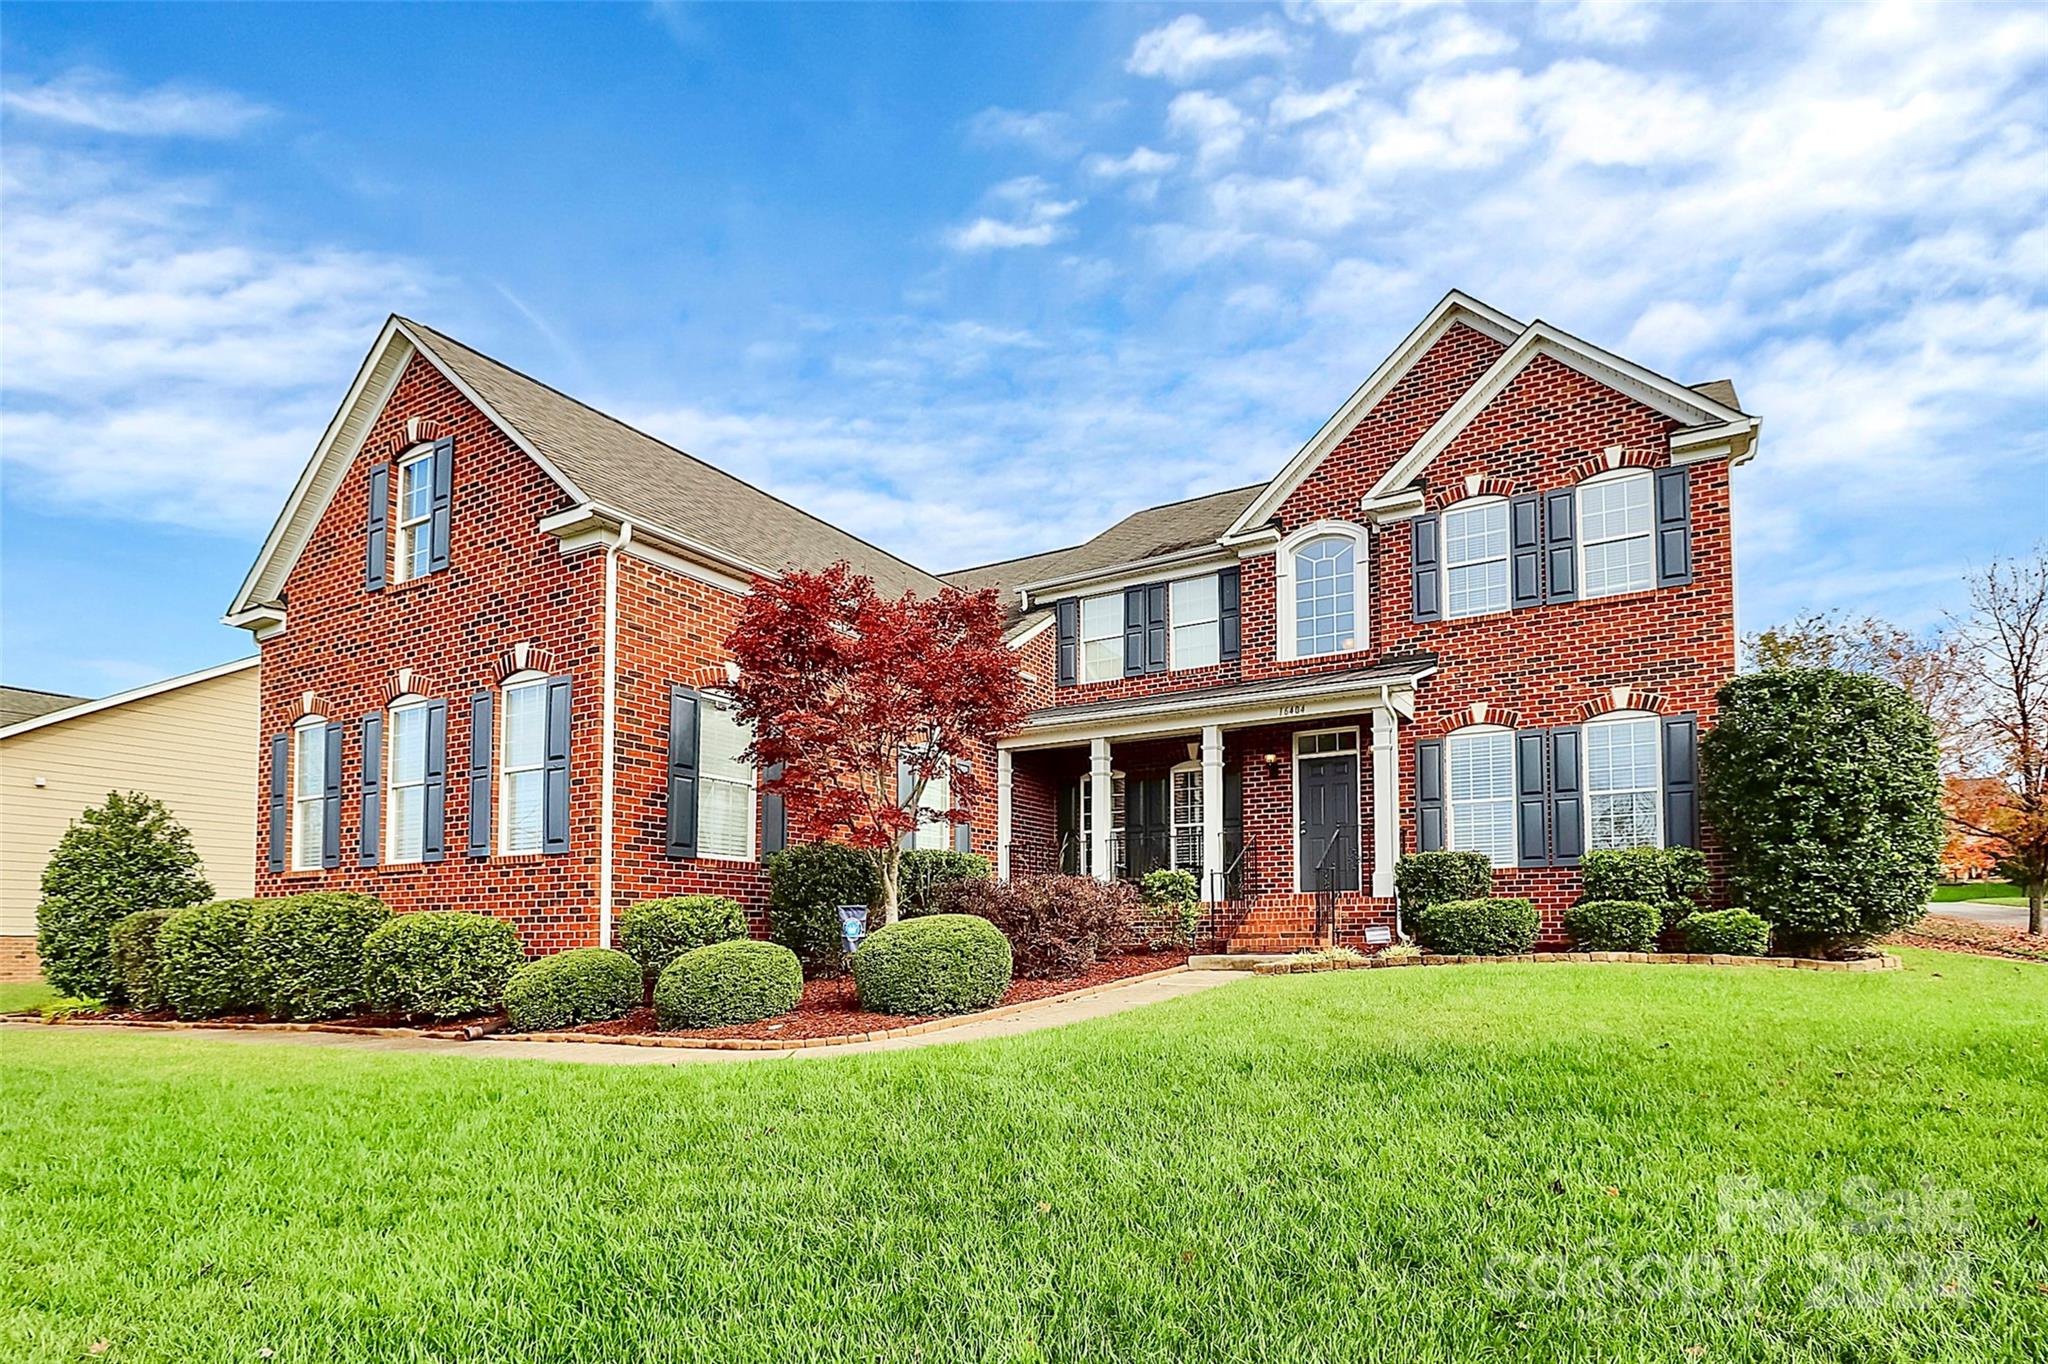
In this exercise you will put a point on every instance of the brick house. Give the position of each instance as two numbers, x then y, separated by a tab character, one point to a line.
1486	607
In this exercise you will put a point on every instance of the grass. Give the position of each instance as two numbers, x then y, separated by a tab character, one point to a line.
19	996
1492	1163
1989	892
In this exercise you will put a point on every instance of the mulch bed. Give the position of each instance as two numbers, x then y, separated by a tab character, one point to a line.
1946	934
829	1009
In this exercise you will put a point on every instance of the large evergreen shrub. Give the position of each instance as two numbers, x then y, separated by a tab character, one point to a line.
114	859
582	985
926	874
656	932
207	967
136	958
807	882
728	982
1431	878
440	964
939	964
308	951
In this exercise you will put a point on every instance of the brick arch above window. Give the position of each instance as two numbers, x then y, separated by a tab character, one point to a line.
525	656
1472	486
1622	699
311	706
407	682
1612	458
705	675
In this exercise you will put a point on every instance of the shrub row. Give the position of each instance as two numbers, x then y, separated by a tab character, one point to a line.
937	964
808	882
1055	925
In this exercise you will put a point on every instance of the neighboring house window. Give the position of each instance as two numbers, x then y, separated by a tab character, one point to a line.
725	790
1193	609
1481	794
1325	599
1615	535
406	780
1116	822
1476	558
1102	637
1622	783
935	831
523	768
309	793
415	516
1187	817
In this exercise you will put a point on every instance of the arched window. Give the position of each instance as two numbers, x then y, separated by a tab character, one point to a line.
309	793
1476	557
1624	782
1479	792
1322	593
1616	534
522	762
405	776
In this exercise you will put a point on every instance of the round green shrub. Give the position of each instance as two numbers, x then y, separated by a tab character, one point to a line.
728	982
1673	879
205	963
309	952
924	875
939	964
807	883
136	961
1613	925
582	985
114	859
656	932
1476	928
440	964
1730	932
1432	878
1825	789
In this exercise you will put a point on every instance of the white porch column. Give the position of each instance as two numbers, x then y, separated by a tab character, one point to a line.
1003	759
1386	800
1212	812
1101	860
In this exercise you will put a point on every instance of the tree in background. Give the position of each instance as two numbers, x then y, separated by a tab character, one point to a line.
1930	668
846	689
114	859
2004	642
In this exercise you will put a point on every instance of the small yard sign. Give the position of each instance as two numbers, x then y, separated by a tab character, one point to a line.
853	924
1378	935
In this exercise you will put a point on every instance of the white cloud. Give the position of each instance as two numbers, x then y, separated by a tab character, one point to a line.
1033	218
1617	23
1447	40
1138	163
1046	130
1299	106
1215	125
1188	48
93	100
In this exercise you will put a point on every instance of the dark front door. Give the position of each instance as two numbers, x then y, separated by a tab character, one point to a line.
1328	856
1148	827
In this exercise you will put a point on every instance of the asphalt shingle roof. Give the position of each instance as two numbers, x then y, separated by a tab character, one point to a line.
26	703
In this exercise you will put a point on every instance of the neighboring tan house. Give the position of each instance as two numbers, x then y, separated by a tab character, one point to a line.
26	703
1486	607
175	740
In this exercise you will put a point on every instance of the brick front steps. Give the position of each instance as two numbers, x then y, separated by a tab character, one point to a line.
1283	966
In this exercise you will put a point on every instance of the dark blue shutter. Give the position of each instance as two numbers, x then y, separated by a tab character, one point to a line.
774	815
1067	622
330	811
1681	781
1429	795
1560	546
1525	551
1424	567
1532	799
1567	799
1155	628
434	843
481	724
373	790
444	498
682	773
280	803
555	805
1134	632
1229	612
1674	527
963	832
378	541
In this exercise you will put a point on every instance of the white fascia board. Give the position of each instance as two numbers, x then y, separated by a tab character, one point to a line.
123	698
1183	564
1029	633
591	525
1171	717
1454	308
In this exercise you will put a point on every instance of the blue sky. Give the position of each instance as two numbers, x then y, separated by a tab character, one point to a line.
975	281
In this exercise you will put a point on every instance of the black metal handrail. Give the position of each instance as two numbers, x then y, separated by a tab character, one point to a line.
1326	886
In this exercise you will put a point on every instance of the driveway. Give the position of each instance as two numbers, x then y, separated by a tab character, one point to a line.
2006	915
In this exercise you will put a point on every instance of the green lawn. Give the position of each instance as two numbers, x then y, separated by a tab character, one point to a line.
16	996
1513	1162
1990	892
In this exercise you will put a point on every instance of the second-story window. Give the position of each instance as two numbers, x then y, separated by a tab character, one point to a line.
415	518
1193	609
407	799
1476	558
1102	637
1325	599
1615	535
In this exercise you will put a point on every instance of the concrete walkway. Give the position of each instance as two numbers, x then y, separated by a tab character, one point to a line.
1111	1001
2006	914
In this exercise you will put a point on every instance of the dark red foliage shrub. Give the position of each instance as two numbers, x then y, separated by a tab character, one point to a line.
1057	925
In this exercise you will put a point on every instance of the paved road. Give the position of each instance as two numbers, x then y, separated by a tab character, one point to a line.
2006	915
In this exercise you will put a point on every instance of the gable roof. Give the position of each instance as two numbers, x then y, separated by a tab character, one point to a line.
80	706
26	703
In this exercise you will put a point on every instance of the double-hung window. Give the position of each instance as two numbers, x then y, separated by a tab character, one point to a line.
1622	783
406	801
1615	535
1102	637
1325	598
934	830
1480	787
1187	818
415	516
1476	558
1194	608
309	793
1116	823
725	784
523	769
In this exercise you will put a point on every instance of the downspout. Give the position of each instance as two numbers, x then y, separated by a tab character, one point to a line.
609	773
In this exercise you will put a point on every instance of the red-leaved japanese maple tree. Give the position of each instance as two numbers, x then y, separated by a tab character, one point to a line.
852	692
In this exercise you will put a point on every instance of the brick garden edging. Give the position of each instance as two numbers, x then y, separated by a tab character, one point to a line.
454	1032
1884	961
878	1035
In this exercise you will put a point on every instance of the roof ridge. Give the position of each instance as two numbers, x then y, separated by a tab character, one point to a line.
1078	544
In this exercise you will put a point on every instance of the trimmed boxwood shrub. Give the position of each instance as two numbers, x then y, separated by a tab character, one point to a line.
1476	928
136	962
728	982
1613	925
1731	932
925	874
656	932
1057	925
939	964
1673	879
308	952
1432	878
440	964
1825	788
1173	907
807	883
114	859
206	966
582	985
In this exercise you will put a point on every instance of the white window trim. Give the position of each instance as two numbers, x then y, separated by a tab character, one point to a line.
1586	771
1083	802
1081	664
1173	820
316	726
1450	805
388	796
1506	558
1586	542
752	823
1285	647
501	778
1294	795
1215	622
399	525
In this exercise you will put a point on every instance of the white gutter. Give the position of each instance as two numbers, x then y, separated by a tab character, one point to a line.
609	763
